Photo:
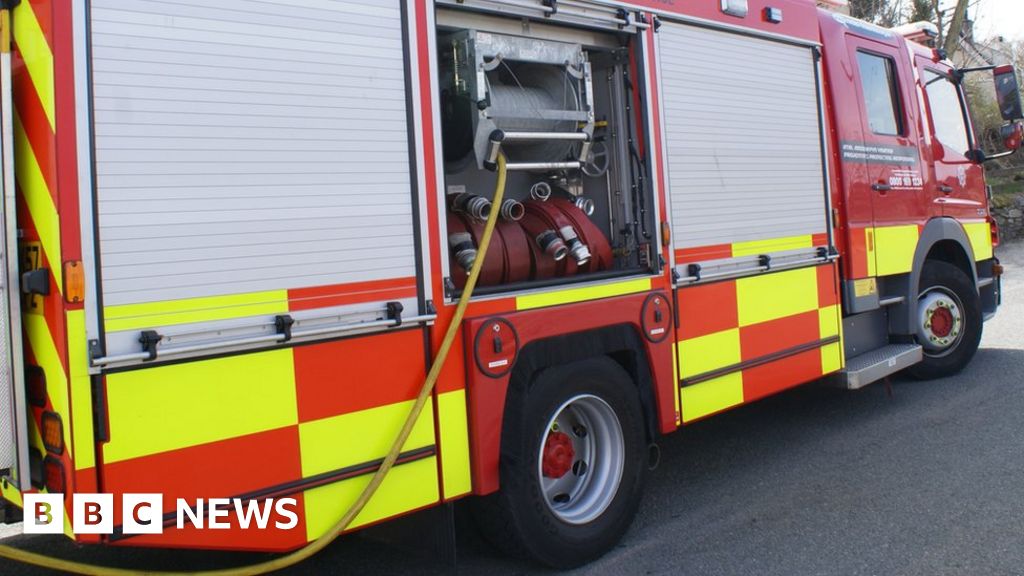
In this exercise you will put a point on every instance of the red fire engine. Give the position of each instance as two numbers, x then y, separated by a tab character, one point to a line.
237	236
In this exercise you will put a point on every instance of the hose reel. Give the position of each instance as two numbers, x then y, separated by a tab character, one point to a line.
531	99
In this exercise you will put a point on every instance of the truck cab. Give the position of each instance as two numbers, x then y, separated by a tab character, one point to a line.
911	200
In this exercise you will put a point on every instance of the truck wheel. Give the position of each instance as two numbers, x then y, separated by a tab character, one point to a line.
948	321
572	466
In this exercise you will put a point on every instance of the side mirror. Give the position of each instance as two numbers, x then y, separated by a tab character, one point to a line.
1012	135
1008	93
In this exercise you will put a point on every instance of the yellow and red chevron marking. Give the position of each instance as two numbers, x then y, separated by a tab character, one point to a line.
745	339
46	180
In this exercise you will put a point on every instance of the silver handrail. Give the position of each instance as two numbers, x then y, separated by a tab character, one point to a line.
756	269
519	166
265	338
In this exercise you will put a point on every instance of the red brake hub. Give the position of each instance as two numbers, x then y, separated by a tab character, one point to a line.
558	455
942	322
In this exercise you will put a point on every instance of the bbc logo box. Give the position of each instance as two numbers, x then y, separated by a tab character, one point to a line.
93	513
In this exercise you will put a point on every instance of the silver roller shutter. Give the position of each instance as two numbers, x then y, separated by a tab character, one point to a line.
743	137
244	146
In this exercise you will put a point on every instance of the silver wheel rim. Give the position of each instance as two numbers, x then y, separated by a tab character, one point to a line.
588	487
940	321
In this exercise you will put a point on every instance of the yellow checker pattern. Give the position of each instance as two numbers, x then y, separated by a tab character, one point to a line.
753	248
320	441
198	402
778	295
712	396
980	235
760	299
173	312
453	429
582	294
892	250
405	488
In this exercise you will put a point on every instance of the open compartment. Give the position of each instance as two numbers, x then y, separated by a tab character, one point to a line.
561	105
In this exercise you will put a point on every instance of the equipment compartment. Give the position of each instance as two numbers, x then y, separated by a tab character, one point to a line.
562	112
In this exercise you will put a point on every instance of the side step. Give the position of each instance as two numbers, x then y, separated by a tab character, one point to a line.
877	364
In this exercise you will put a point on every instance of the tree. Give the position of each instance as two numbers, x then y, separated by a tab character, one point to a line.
952	41
922	11
885	13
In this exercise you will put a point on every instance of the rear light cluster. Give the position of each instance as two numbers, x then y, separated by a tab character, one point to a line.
53	433
36	385
994	228
54	475
52	428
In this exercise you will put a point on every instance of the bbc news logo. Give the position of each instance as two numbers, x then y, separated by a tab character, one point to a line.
143	513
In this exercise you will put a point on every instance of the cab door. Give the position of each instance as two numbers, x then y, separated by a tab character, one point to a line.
959	187
889	152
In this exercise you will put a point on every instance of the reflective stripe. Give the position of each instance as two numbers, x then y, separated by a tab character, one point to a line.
583	294
38	199
181	405
171	312
894	249
333	443
869	243
712	396
707	353
675	389
780	322
40	340
81	421
980	235
773	245
348	439
828	321
830	324
407	487
10	493
776	295
453	429
38	57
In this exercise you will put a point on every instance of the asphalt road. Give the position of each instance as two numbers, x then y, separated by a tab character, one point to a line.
927	481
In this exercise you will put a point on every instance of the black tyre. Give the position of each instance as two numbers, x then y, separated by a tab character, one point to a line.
948	320
573	466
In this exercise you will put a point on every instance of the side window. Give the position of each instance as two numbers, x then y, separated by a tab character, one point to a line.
946	111
878	86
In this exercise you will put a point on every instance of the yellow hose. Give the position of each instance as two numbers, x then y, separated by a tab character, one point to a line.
378	477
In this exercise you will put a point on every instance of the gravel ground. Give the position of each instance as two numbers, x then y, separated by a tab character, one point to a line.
814	481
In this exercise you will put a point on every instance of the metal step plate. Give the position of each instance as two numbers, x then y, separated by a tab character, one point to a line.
877	364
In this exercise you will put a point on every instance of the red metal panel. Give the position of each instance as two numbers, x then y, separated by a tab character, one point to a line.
701	253
707	309
354	293
828	286
798	15
780	375
767	338
67	132
358	373
487	395
219	469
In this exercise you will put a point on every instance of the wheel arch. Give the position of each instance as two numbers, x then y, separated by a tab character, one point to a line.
942	239
620	342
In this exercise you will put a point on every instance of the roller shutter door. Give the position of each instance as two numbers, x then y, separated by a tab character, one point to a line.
743	141
243	146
